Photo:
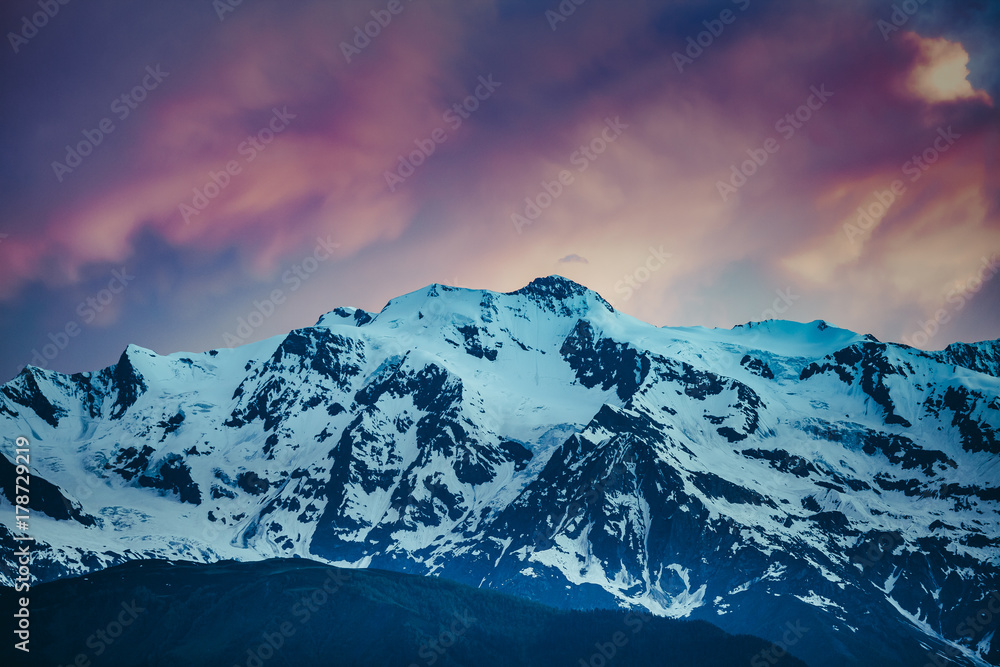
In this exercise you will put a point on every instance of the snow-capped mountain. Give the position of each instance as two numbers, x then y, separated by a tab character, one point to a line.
836	495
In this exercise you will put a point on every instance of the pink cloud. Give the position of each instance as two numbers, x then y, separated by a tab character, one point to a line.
656	186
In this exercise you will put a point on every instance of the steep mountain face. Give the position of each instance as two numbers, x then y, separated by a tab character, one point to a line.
831	493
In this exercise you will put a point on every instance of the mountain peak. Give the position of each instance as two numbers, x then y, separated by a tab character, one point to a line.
553	285
555	289
554	294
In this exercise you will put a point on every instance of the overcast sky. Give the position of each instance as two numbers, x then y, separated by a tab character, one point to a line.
170	168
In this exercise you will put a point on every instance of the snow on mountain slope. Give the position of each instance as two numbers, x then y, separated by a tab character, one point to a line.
542	443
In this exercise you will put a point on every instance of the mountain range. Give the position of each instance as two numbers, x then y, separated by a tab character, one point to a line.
832	494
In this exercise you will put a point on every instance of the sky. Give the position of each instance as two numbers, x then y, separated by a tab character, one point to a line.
198	174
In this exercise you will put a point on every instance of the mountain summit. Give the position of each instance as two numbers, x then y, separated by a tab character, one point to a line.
807	484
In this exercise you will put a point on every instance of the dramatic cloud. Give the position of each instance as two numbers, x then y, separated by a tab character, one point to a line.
941	73
692	162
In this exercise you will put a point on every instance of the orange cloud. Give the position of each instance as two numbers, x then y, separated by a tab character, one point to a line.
941	71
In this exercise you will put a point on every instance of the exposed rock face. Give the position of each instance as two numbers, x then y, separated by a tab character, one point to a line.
542	444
